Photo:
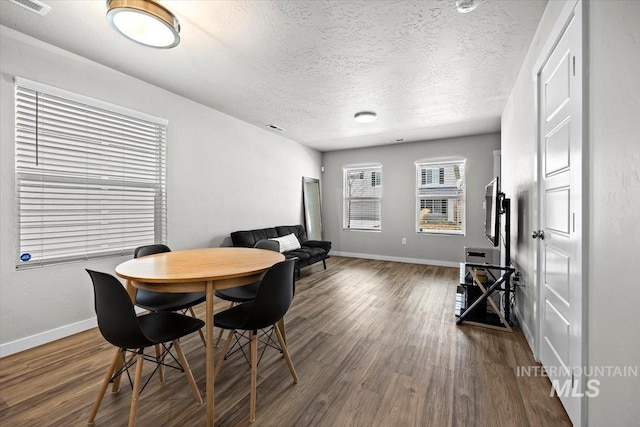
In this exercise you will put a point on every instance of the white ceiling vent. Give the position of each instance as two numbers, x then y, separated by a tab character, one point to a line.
33	5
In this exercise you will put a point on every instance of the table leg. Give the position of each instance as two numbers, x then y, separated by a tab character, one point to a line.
209	361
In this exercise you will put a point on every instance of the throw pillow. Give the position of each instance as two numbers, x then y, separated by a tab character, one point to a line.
287	243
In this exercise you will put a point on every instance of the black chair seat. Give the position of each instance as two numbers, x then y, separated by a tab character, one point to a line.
234	317
239	294
158	301
165	326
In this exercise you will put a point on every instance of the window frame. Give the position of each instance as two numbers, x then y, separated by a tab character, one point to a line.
429	191
375	177
120	201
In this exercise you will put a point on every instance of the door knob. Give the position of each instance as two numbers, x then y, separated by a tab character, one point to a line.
537	234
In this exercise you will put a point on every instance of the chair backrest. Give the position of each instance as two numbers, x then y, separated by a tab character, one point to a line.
117	319
150	250
274	296
143	296
271	245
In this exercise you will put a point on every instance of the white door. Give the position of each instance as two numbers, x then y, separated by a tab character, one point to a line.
560	198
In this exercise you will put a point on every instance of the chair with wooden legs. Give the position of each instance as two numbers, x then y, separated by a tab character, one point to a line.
248	292
121	327
272	300
163	301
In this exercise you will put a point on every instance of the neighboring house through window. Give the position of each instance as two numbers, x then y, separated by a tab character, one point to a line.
90	177
362	197
440	196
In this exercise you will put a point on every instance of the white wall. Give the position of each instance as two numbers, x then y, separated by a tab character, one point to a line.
518	153
399	200
612	148
614	208
222	175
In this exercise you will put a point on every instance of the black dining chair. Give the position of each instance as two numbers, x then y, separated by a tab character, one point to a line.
120	326
271	302
163	301
248	292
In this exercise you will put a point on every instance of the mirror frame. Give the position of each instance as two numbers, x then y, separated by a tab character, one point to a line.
307	205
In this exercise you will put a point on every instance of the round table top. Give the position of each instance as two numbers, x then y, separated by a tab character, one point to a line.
195	265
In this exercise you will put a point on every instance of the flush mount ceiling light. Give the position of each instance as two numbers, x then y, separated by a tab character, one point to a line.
365	116
466	6
145	22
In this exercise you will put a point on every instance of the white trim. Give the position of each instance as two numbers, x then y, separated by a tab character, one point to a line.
553	37
41	87
363	166
572	10
55	334
526	331
438	263
46	337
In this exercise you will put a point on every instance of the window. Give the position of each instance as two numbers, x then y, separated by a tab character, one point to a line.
376	179
440	196
362	197
90	177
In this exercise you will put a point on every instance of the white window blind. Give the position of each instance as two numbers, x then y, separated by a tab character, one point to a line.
90	177
362	197
440	196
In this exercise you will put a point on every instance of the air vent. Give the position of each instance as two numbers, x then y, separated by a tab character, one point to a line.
33	5
276	128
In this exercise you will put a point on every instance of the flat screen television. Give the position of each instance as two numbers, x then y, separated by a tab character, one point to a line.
492	211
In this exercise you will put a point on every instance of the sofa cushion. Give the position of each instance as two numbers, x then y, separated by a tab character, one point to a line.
298	230
288	242
249	238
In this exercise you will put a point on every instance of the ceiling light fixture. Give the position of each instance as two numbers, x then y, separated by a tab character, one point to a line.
365	116
145	22
466	6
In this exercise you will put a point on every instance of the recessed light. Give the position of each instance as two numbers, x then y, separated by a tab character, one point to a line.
365	116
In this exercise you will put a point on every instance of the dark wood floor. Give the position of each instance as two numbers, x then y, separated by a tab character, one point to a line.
373	342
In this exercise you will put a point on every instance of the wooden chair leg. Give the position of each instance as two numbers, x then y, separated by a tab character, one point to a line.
187	372
222	330
135	395
281	327
219	338
254	376
324	263
227	344
193	314
287	359
116	381
105	384
159	359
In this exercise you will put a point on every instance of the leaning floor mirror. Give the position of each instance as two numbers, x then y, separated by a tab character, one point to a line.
312	213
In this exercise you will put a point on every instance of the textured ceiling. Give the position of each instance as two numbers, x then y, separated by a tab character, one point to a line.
309	66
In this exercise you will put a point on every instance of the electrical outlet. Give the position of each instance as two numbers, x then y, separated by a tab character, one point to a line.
404	240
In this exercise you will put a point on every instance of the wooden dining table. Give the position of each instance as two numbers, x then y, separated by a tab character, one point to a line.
197	270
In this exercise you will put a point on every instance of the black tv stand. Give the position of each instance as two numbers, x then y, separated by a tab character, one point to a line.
475	295
474	299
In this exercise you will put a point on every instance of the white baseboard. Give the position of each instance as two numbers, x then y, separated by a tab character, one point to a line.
526	331
46	337
397	259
